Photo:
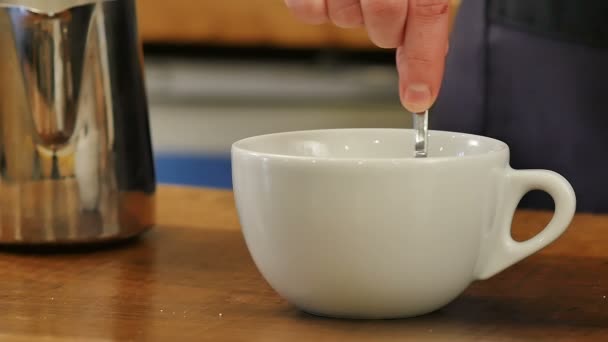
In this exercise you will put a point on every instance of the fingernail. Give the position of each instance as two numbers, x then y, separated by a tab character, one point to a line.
417	97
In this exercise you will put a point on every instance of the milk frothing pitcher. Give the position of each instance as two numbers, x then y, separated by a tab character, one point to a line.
76	162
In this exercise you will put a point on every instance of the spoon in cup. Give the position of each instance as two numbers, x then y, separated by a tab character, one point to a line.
421	128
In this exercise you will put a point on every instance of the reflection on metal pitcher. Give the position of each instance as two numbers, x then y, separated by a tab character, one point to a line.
75	154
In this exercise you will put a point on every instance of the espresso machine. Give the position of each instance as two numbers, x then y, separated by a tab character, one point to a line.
76	162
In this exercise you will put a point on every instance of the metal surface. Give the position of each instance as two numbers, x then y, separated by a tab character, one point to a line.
75	154
47	6
421	128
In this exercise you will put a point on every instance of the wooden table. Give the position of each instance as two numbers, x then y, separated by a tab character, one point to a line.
191	279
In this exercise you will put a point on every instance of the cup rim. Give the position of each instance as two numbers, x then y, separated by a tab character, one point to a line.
237	146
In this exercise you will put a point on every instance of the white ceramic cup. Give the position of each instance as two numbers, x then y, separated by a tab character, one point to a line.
346	223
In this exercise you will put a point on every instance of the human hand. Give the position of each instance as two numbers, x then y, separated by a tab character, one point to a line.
418	29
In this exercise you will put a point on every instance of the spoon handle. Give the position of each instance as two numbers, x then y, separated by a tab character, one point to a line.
421	128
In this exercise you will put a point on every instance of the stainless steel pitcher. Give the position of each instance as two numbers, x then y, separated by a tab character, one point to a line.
76	161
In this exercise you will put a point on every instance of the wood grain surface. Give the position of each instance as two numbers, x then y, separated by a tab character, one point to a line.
192	279
243	23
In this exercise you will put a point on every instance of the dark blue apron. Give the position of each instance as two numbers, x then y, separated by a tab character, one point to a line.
534	74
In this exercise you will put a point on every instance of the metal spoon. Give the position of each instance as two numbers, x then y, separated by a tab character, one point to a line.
421	128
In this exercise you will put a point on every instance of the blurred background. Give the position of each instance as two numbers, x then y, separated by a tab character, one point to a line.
221	71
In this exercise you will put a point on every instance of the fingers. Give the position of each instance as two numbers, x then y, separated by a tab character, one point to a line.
345	13
385	21
422	39
421	58
312	12
342	13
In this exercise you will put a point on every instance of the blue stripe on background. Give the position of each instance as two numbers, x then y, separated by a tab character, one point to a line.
194	170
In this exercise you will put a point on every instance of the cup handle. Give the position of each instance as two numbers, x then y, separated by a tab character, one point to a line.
499	250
